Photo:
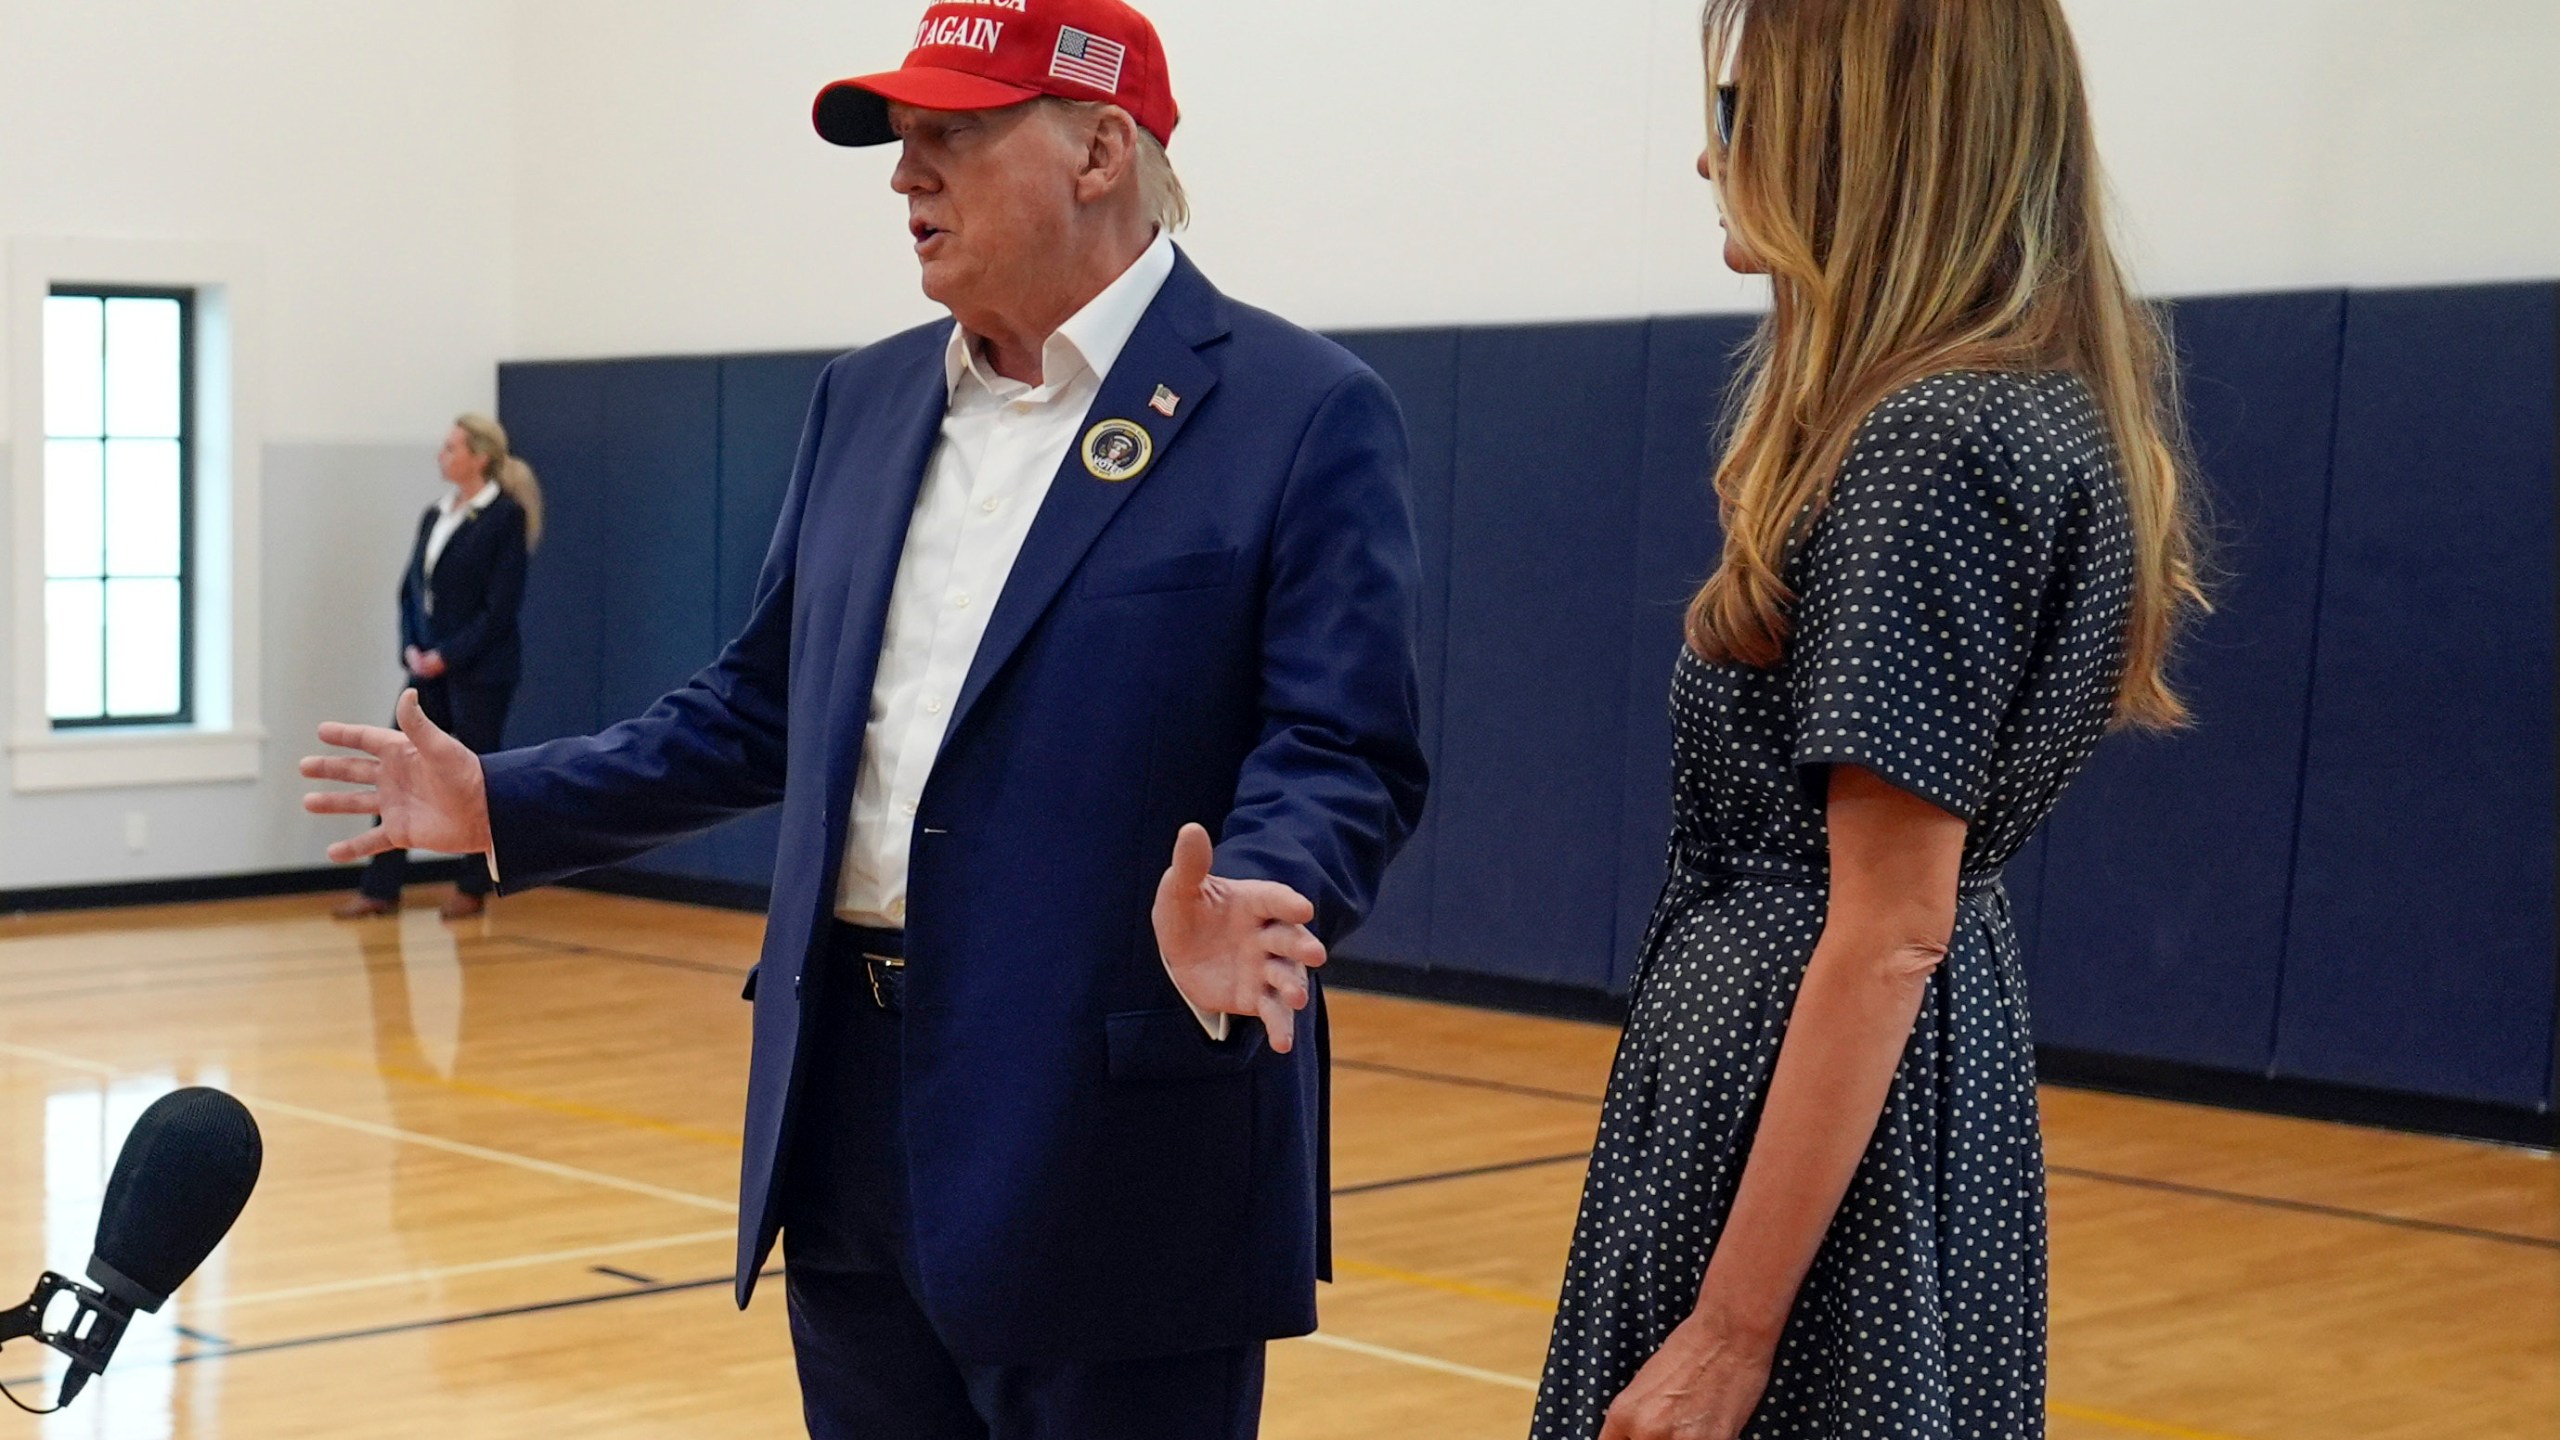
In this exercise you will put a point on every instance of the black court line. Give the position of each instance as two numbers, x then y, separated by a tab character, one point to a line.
636	1279
2308	1207
637	957
202	1338
1471	1082
441	1322
1505	1168
2107	1177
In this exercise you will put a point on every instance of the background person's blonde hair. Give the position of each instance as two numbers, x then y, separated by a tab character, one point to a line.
488	440
1920	179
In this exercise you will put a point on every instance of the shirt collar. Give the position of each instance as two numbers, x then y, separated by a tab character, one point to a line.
487	497
1092	338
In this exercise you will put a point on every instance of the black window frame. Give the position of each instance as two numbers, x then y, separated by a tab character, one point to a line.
185	714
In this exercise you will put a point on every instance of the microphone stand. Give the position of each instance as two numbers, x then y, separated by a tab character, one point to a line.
95	1325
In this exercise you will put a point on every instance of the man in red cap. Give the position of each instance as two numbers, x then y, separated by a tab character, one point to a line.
1102	561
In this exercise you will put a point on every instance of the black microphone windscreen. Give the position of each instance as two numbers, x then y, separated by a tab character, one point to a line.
181	1179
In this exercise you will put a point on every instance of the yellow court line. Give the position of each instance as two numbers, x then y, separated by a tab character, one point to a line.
407	1137
1449	1284
227	1303
574	1109
2133	1423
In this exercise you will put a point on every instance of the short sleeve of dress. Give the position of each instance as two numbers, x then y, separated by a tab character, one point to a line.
1919	594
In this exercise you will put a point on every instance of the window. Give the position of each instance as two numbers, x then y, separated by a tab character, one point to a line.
119	381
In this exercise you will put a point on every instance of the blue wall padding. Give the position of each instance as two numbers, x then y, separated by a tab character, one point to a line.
555	418
662	439
763	401
1688	364
2160	931
1542	553
2344	872
2419	957
1421	366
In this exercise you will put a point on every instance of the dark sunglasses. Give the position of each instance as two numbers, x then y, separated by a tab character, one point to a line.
1728	100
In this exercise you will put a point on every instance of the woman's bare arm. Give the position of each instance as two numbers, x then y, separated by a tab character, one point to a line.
1894	863
1894	860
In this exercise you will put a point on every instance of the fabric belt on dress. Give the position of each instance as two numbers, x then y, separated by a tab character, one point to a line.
1717	865
882	954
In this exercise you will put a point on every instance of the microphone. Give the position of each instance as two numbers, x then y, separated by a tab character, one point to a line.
182	1178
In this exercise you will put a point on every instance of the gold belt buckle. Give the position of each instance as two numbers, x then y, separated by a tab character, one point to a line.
872	965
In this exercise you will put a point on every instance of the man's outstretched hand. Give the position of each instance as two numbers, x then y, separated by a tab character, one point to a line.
1235	947
425	785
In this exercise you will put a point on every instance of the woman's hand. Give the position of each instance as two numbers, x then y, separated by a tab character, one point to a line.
1701	1385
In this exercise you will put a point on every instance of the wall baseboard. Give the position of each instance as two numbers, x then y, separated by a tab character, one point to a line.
198	888
2299	1099
1481	992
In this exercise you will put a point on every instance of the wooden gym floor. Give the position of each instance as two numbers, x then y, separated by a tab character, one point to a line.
500	1160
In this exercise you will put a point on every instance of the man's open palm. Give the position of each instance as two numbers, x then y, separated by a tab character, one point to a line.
425	785
1235	947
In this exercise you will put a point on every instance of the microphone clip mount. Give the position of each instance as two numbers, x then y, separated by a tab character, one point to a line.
88	1335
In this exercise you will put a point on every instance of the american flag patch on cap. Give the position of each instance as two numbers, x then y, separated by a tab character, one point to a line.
1088	60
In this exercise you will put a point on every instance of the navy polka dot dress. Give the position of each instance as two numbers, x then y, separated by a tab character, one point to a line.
1959	631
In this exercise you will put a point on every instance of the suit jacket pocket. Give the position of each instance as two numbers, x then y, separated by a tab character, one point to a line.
1196	570
1170	1045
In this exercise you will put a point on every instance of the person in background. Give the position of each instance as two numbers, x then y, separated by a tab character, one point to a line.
1957	550
458	641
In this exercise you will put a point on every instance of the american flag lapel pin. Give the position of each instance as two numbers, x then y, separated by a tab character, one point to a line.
1165	403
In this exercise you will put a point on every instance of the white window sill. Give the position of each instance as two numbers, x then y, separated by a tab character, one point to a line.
126	759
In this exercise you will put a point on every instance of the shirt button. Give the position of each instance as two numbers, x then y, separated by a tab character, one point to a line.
897	909
933	707
991	506
910	807
960	601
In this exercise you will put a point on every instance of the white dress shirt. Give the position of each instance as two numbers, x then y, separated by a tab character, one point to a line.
1002	444
451	511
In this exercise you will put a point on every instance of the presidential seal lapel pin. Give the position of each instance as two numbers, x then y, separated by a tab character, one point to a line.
1117	450
1165	402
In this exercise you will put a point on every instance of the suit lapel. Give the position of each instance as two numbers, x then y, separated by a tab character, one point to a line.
872	525
1162	351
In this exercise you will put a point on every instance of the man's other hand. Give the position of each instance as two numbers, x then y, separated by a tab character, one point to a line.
425	785
1235	947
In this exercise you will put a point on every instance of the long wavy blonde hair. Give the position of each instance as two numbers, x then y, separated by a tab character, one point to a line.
1920	180
488	440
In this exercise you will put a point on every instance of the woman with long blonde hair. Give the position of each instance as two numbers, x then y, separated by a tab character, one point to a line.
1958	547
459	596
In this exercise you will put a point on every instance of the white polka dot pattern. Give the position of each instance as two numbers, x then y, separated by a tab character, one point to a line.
1959	631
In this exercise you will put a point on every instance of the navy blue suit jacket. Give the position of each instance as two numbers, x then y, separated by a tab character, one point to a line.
478	587
1226	638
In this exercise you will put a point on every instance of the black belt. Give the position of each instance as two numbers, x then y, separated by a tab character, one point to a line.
882	954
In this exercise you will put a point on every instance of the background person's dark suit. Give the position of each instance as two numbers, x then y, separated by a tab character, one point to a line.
466	612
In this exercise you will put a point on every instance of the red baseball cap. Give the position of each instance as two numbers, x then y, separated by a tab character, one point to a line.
987	54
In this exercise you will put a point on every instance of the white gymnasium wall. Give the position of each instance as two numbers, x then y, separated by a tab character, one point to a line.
362	150
1385	162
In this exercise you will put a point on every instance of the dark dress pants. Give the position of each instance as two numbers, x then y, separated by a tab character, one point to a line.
476	715
871	1365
